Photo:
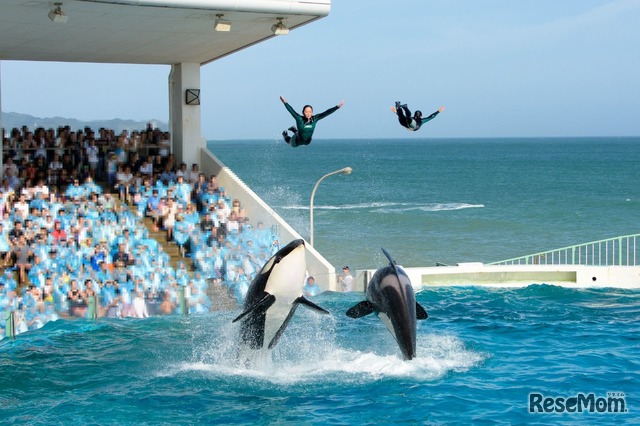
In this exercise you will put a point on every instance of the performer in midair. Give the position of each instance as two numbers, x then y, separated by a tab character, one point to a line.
412	123
305	123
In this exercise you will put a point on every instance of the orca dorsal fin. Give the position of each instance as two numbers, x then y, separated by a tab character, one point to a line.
421	314
266	301
361	309
299	301
391	261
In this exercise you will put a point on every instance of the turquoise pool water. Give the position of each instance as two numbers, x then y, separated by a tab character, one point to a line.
481	353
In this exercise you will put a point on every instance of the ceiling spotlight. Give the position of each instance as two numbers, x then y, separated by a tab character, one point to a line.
57	15
280	28
221	24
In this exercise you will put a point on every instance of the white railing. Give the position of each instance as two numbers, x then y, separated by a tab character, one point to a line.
618	251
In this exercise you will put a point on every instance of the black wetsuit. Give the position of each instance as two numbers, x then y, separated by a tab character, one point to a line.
406	120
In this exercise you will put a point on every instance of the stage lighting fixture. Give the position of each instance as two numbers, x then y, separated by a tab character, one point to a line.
221	24
280	28
57	15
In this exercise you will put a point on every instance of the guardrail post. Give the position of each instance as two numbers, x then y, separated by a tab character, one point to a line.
9	321
92	308
184	309
619	251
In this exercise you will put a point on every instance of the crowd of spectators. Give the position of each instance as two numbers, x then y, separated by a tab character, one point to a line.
68	244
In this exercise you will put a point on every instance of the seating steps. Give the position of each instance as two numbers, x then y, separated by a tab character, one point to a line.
222	298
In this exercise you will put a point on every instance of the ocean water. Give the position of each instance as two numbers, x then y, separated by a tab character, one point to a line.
482	353
446	200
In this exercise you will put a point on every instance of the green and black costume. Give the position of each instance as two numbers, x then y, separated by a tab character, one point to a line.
304	129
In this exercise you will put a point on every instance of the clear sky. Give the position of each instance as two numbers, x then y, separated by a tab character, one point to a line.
500	67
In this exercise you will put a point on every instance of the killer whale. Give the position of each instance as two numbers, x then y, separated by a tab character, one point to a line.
390	294
273	297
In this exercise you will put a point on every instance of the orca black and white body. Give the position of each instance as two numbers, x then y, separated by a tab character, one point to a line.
390	295
273	297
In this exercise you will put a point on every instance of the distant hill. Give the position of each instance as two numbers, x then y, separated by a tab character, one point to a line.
14	119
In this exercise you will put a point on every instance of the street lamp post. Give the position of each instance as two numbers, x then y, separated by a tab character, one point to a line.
344	171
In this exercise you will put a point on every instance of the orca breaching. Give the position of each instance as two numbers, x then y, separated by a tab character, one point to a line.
274	294
390	294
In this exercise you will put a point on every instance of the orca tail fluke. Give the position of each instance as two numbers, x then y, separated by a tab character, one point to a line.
361	309
265	303
421	313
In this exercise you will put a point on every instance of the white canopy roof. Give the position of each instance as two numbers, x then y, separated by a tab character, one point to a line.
143	31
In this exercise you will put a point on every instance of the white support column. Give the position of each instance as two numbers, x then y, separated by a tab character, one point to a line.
185	119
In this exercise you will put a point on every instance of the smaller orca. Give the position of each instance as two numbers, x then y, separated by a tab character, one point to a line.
274	296
390	295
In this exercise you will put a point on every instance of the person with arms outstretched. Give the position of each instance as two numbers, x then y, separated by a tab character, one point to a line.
305	123
412	123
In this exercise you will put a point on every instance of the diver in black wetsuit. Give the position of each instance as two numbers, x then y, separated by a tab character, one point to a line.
412	123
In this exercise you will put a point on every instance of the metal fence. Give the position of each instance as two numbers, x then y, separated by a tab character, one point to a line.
618	251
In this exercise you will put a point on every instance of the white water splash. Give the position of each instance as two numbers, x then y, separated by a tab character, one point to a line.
438	355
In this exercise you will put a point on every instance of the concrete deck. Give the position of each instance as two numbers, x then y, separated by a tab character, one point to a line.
478	274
